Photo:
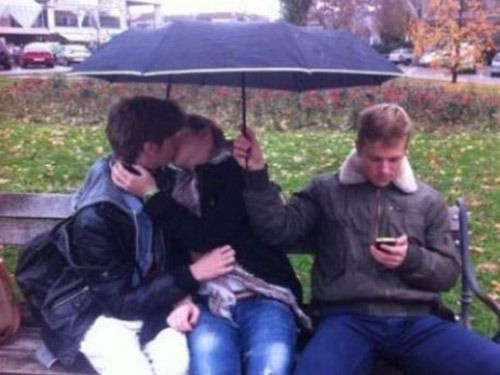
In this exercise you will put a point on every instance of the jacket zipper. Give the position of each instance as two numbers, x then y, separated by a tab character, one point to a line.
66	299
378	213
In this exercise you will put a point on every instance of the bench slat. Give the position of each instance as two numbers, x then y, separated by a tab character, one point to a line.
28	205
18	357
20	231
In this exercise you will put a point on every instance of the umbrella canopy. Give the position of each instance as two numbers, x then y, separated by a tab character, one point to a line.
275	56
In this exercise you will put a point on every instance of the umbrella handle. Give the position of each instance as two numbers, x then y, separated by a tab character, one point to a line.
244	111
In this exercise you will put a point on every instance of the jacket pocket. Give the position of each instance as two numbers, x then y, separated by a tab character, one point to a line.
67	307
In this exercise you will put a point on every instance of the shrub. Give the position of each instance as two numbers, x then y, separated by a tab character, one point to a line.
87	101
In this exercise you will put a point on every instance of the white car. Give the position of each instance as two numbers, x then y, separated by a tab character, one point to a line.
401	56
72	54
442	58
495	65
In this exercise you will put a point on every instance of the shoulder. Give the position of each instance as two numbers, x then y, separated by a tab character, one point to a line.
326	181
428	192
101	214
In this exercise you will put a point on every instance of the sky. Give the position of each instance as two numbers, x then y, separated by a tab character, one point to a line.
268	8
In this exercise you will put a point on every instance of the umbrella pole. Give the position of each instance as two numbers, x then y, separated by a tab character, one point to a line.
244	112
243	105
169	89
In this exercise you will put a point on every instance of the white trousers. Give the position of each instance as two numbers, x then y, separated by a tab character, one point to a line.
112	348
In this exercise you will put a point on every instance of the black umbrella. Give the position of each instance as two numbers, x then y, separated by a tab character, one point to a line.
275	56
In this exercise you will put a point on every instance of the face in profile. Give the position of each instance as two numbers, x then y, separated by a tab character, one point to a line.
163	153
193	148
381	162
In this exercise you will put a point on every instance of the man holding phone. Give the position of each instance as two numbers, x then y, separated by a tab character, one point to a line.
383	253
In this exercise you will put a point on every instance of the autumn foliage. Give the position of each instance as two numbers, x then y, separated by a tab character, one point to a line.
457	27
86	102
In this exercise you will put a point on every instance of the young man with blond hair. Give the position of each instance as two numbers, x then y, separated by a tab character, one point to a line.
375	299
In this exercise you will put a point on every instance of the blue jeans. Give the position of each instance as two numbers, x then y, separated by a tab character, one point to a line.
349	343
261	342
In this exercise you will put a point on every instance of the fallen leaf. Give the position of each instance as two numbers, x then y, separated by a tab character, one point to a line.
488	267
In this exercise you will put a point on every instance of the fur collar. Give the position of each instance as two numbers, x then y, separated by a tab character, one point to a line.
350	173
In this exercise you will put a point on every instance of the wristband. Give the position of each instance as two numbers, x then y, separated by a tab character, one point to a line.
149	194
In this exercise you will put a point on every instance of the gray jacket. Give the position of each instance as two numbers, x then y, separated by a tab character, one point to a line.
339	215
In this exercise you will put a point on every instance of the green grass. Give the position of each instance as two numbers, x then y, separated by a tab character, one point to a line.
44	158
6	81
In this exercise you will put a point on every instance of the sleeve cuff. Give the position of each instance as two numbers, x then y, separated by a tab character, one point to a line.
256	180
412	261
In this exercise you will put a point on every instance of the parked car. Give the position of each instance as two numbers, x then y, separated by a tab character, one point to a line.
433	58
401	55
495	65
443	58
72	54
37	54
15	53
5	58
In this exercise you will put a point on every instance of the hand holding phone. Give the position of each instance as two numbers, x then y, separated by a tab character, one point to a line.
379	241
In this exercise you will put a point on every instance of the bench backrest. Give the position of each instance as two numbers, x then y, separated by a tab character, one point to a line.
24	215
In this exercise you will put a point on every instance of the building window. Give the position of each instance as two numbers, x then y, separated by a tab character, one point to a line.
89	20
107	20
6	20
65	18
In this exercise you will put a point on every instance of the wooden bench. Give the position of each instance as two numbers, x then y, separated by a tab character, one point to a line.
22	216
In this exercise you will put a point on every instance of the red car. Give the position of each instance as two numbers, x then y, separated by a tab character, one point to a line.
37	54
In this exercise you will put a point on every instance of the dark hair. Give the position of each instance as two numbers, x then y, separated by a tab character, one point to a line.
384	122
134	121
197	123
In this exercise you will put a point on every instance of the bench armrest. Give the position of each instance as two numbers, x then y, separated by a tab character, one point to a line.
469	279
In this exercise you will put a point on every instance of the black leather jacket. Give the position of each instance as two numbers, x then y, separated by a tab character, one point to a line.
104	278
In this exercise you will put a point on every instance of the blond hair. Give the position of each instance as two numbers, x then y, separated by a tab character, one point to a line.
385	122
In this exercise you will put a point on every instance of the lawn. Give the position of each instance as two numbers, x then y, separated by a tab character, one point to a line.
54	158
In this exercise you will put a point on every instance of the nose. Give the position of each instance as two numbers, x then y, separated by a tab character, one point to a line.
385	167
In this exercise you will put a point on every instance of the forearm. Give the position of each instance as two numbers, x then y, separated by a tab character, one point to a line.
431	269
274	221
433	264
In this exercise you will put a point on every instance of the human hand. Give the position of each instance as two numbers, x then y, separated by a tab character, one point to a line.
247	151
136	184
213	264
184	316
391	256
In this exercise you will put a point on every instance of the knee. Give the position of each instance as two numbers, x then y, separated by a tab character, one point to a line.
206	342
272	358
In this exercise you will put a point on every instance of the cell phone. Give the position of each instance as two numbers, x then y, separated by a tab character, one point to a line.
131	169
391	241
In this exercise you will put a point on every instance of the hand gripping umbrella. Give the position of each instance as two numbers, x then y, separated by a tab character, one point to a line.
275	56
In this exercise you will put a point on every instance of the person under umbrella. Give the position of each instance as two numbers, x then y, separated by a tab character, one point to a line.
248	314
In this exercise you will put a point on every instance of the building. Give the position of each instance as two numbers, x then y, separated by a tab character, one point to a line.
77	21
149	21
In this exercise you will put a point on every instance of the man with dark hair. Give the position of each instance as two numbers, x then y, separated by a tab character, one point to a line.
383	253
127	281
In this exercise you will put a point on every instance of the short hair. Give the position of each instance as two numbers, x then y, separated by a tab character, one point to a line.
197	123
386	122
134	121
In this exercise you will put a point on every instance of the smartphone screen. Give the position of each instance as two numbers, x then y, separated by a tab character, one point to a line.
384	241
